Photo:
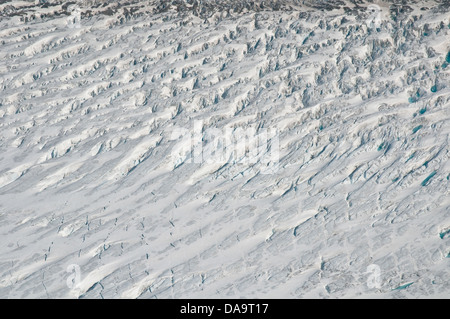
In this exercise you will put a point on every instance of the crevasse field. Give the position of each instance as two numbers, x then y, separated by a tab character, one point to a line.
224	149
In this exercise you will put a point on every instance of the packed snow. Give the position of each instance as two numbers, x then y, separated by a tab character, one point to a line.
128	168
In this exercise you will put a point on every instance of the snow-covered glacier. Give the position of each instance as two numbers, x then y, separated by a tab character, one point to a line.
224	149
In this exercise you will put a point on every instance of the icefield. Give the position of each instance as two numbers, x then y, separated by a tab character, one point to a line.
225	149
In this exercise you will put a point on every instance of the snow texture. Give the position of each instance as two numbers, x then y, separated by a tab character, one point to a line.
102	193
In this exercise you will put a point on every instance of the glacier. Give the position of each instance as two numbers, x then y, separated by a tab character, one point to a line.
116	125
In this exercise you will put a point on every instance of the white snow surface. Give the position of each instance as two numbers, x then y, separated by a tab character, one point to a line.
91	173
